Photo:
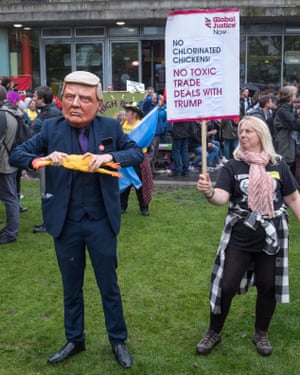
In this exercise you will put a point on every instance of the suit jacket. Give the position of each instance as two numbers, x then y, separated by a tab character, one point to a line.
57	135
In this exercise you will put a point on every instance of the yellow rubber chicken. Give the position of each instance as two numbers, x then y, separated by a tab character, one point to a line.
76	162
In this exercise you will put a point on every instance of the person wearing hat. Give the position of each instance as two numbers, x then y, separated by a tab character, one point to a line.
133	107
82	210
133	116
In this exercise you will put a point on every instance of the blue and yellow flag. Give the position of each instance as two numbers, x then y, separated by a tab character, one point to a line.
143	135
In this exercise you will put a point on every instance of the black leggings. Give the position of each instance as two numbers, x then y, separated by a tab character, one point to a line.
124	196
236	263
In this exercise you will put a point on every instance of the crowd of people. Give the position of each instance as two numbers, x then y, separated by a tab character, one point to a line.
257	163
278	109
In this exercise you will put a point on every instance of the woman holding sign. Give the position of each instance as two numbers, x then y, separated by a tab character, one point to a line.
253	249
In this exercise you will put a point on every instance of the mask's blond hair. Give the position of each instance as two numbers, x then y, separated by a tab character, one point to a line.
264	135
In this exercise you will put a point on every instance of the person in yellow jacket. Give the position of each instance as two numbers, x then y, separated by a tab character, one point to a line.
32	111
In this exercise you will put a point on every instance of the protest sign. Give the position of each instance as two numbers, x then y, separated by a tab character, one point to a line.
202	64
133	86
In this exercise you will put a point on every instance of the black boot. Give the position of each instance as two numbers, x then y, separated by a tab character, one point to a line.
145	211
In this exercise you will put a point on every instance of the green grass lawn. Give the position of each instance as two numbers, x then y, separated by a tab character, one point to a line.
164	272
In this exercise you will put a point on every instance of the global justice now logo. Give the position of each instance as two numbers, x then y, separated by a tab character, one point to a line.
220	25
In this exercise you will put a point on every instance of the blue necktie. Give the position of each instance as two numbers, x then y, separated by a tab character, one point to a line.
83	140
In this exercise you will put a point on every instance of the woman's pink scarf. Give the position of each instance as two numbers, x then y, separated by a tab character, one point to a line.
261	185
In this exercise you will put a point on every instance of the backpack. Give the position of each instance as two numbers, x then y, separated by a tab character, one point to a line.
23	132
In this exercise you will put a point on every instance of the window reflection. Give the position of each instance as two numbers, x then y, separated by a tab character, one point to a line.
58	64
264	59
124	67
89	57
291	60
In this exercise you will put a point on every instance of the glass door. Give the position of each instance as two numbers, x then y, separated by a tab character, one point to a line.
153	57
63	58
125	64
58	64
89	57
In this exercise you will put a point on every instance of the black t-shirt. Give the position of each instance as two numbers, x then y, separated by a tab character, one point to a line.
234	178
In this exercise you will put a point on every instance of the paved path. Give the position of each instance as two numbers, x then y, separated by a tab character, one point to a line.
162	178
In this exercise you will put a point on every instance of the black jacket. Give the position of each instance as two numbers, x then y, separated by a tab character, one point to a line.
284	124
180	129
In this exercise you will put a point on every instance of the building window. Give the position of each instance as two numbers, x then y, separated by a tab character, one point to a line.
243	67
125	64
123	31
59	32
89	57
153	30
153	64
272	28
292	30
58	64
62	58
90	31
24	55
291	60
264	59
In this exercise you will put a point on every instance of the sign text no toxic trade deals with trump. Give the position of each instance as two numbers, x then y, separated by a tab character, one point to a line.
202	64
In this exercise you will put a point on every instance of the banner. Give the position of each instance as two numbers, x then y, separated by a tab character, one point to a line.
202	64
114	101
23	85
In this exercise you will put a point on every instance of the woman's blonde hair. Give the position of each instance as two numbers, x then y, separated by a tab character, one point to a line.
263	133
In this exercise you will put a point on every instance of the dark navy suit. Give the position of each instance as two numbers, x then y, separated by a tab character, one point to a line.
83	210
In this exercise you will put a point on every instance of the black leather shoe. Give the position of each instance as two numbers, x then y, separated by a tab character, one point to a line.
23	209
122	355
39	229
39	225
67	351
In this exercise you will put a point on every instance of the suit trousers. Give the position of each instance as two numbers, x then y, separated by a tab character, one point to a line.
98	237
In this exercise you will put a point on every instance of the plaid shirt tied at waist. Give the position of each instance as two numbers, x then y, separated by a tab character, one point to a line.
276	245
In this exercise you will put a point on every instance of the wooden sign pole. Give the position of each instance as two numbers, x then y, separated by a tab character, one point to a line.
204	146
